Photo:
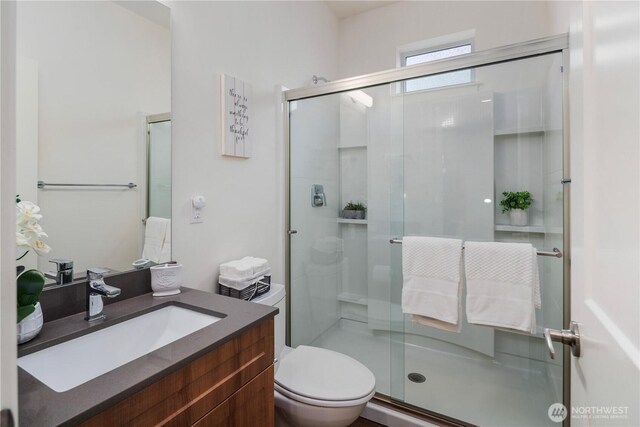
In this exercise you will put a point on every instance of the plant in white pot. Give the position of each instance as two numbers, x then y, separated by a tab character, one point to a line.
516	203
29	283
354	211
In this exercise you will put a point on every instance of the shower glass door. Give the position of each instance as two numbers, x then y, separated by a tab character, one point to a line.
429	163
463	147
159	167
343	147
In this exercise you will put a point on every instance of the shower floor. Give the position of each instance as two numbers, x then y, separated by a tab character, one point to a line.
477	390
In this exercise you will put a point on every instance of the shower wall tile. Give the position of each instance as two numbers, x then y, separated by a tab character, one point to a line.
519	167
317	250
314	137
353	175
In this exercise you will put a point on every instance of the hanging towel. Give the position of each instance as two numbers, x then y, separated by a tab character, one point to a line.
431	281
154	237
503	285
165	253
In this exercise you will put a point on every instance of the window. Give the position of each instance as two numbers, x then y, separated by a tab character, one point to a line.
434	54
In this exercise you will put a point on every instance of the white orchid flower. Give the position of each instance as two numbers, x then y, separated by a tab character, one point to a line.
22	242
27	212
40	247
29	233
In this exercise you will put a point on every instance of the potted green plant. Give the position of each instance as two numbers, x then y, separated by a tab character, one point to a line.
29	283
516	203
354	211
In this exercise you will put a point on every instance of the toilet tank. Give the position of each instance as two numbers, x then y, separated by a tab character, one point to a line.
275	298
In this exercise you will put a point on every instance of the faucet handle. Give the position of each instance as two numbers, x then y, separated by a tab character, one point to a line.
62	264
96	273
105	290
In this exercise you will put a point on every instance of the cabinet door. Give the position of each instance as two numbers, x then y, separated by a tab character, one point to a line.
252	405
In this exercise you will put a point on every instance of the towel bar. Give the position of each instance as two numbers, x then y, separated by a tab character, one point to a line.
42	184
556	253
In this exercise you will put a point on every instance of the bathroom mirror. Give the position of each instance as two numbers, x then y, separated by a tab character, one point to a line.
93	130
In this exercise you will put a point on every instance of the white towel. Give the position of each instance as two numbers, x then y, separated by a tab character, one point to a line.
258	264
503	285
165	253
431	281
236	269
154	237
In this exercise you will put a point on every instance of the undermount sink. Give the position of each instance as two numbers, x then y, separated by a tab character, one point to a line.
71	363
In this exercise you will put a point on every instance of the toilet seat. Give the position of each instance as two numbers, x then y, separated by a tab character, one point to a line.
321	377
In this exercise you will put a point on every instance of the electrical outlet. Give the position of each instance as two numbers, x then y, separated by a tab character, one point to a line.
197	204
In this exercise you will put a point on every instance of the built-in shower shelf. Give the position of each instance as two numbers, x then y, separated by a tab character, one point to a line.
528	229
501	132
352	298
352	221
345	147
521	228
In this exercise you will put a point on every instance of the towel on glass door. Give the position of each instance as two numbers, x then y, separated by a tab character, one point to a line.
431	289
503	285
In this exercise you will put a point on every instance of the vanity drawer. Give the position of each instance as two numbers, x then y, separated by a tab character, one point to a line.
188	394
252	405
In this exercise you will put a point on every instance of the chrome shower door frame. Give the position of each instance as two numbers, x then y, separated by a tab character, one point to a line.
513	52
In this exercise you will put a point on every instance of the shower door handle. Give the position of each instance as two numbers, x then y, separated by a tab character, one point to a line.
569	336
290	232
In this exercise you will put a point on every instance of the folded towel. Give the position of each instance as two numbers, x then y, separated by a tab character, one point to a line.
155	233
431	281
258	264
237	269
503	285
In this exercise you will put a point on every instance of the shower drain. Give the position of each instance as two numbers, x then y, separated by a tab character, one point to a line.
416	377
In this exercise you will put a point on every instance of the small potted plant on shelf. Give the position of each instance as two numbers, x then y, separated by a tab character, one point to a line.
516	203
354	211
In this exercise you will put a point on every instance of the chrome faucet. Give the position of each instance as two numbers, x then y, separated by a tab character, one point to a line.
64	271
96	289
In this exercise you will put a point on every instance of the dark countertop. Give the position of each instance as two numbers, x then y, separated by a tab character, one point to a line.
41	406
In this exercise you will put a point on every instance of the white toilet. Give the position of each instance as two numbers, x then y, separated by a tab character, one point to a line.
315	387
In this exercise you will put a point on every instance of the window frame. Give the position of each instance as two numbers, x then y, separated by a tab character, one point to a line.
430	47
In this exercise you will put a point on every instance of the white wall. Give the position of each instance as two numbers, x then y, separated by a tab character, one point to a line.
8	348
100	67
368	41
265	44
27	139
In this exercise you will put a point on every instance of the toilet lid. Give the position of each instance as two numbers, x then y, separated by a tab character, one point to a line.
323	374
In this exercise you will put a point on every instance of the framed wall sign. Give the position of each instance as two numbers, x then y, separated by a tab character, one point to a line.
236	110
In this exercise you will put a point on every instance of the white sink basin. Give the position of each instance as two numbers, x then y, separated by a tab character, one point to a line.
71	363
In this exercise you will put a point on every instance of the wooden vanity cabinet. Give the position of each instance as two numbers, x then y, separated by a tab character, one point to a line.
229	386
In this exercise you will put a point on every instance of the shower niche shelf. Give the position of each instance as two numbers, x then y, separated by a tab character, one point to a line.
352	221
353	298
347	147
516	131
521	228
540	229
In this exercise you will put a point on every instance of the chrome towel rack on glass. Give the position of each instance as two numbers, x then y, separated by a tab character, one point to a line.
556	253
42	184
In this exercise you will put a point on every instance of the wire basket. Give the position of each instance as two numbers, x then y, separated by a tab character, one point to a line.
245	289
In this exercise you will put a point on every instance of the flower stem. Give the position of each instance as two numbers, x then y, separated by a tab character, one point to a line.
23	255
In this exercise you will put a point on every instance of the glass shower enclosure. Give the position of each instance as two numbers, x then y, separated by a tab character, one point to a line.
430	163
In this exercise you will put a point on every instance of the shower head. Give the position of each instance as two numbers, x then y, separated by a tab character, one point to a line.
315	79
357	96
